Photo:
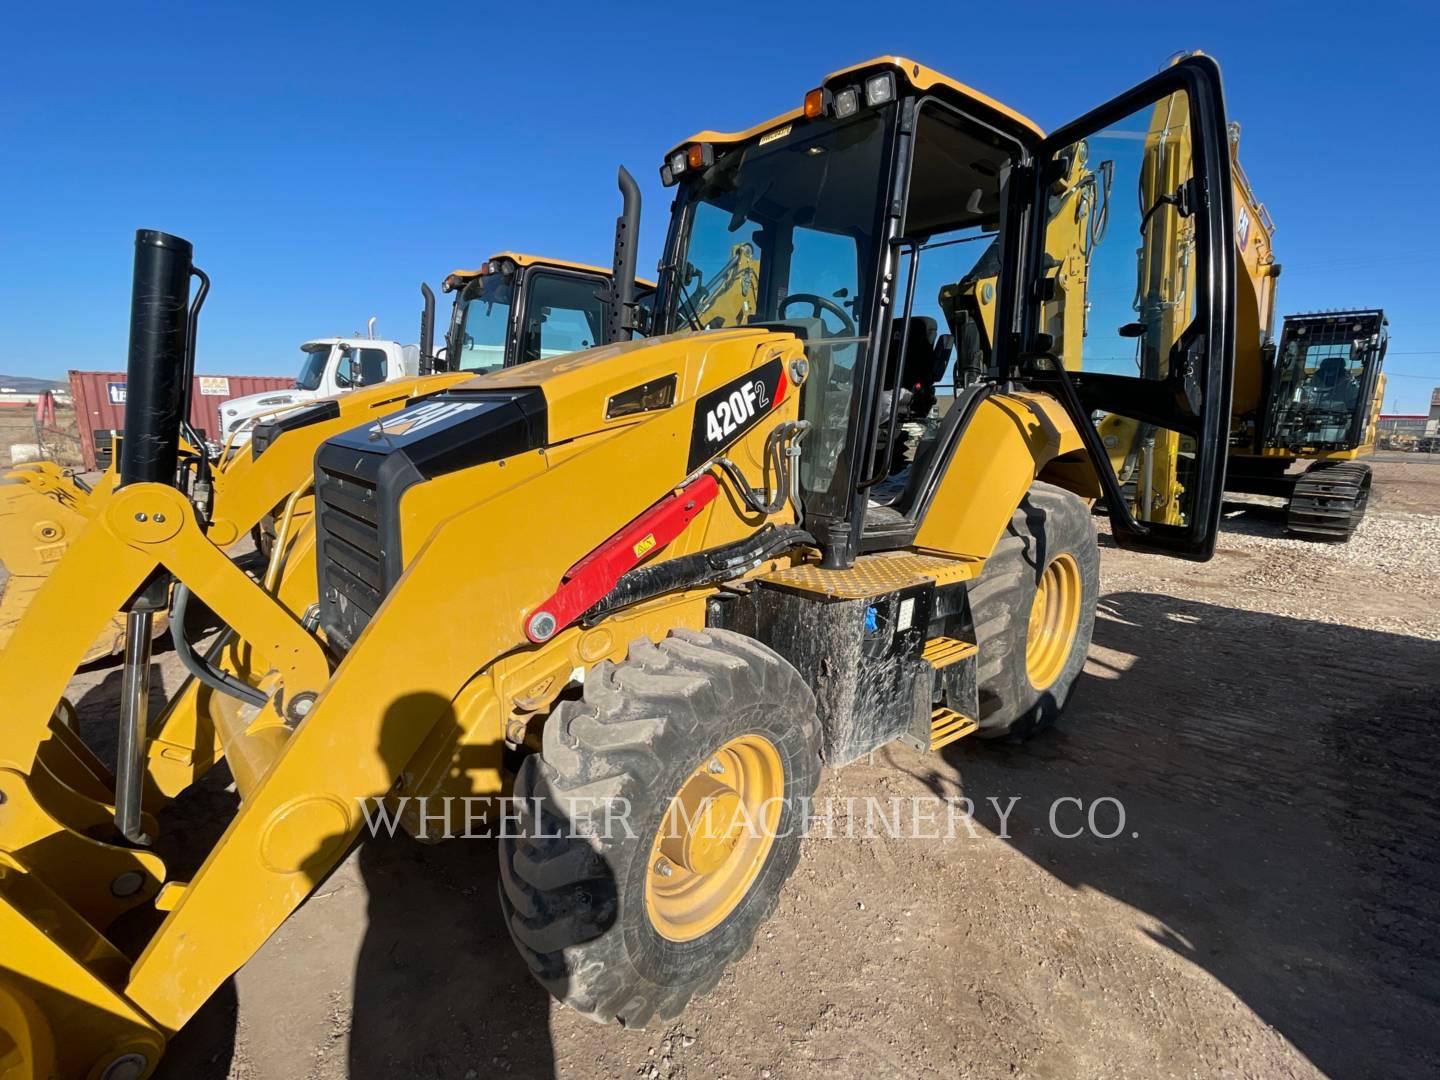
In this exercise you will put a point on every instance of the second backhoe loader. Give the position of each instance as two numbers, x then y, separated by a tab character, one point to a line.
726	578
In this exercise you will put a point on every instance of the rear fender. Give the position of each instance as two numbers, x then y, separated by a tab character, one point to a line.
1009	443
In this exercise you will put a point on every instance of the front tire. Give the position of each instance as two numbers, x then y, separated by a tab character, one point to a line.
1034	613
639	918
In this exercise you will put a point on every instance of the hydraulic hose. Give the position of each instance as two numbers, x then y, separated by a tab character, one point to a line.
201	667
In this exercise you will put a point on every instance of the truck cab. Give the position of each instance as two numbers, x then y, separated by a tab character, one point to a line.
328	366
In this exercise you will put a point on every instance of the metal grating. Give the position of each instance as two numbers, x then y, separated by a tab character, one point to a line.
873	575
943	651
947	726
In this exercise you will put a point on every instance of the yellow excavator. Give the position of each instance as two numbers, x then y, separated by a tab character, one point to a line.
1321	404
513	309
1317	398
729	578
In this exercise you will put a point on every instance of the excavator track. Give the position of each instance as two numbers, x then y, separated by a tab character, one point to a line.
1328	501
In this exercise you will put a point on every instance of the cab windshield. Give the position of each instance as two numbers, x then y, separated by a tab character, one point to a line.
1324	375
312	367
786	229
482	324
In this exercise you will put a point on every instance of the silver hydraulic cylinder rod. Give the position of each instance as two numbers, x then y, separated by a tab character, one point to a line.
134	723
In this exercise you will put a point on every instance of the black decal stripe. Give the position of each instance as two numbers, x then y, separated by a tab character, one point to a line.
754	391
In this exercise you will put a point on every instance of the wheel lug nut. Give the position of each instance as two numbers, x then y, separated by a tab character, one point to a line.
715	766
663	867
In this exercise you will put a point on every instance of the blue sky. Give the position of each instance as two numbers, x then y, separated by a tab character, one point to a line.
325	159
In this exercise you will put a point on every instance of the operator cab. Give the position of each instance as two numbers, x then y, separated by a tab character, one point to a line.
518	308
903	227
1327	369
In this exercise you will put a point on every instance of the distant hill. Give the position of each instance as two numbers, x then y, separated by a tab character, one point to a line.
23	384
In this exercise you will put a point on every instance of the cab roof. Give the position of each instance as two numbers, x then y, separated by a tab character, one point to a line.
520	258
917	75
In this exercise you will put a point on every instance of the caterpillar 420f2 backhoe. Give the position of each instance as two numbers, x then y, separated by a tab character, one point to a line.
725	577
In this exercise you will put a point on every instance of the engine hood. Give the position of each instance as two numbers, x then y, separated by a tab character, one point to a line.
589	391
242	408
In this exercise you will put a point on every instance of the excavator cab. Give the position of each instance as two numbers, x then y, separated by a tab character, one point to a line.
1319	399
1326	377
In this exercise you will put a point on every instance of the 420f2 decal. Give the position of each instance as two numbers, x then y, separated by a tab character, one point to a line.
729	411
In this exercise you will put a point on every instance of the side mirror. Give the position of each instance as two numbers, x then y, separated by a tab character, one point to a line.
345	373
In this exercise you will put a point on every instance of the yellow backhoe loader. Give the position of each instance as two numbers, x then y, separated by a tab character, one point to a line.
514	309
728	576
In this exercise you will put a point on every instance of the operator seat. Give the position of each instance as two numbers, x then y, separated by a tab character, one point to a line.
922	366
1332	386
926	357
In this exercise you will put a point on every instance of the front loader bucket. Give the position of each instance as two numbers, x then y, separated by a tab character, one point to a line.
41	513
59	1015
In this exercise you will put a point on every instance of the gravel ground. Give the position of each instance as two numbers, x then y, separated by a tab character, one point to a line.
1267	722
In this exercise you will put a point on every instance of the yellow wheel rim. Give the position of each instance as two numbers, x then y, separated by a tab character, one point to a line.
714	838
1054	621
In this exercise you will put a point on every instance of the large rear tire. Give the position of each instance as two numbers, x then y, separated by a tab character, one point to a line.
1034	612
639	917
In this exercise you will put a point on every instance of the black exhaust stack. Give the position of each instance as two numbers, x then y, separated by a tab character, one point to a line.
427	331
624	310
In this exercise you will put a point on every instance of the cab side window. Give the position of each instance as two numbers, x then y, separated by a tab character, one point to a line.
370	367
564	313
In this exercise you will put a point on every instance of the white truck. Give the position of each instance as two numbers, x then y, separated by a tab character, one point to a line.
330	366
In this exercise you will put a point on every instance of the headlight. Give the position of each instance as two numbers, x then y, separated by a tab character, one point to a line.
879	89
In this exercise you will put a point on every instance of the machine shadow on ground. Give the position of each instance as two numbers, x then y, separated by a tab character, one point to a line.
1277	777
437	987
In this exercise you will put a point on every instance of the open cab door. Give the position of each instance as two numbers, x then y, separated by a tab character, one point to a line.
1137	337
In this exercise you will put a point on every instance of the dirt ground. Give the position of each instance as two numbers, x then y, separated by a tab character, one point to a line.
1266	907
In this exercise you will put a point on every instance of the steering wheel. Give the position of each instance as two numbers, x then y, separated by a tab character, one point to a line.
817	305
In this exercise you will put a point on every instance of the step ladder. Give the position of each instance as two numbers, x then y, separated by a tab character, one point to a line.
947	725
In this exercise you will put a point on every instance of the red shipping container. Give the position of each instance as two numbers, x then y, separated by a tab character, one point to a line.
100	405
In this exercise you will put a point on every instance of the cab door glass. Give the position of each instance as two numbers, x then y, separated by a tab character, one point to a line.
1120	243
1119	286
821	298
564	313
